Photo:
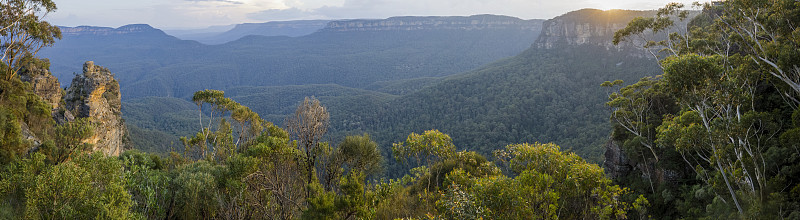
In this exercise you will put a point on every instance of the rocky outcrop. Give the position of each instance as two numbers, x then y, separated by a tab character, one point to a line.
95	95
616	162
475	22
597	27
587	27
44	84
618	165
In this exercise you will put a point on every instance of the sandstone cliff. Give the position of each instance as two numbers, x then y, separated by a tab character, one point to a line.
475	22
44	84
587	27
95	95
103	31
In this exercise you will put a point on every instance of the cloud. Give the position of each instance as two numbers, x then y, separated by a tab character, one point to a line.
203	13
224	1
281	14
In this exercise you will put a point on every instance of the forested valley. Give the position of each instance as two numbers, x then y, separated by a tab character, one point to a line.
687	112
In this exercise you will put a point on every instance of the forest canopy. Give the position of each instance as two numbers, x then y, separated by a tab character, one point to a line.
715	136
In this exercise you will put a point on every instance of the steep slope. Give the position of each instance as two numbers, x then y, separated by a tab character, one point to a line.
166	66
546	94
155	123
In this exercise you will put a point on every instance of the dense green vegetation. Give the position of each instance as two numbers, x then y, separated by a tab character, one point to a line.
249	168
155	123
714	136
539	95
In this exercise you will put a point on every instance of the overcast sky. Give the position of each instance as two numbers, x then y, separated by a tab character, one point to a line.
187	14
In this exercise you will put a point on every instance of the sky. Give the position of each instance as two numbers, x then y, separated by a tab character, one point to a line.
195	14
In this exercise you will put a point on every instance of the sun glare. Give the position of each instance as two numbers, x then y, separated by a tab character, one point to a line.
605	4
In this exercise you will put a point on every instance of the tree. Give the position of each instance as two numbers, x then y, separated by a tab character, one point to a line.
549	184
277	186
308	124
355	154
23	30
68	141
89	187
360	154
719	72
428	147
766	31
221	141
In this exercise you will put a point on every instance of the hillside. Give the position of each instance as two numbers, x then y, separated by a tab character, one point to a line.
546	94
541	95
166	66
273	28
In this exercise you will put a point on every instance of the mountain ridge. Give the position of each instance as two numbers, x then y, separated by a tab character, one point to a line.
407	23
104	31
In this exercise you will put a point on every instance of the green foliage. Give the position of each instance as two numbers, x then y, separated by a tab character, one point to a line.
10	137
23	114
196	190
24	31
221	142
360	154
350	203
156	123
550	185
68	140
543	165
90	186
148	181
428	147
735	92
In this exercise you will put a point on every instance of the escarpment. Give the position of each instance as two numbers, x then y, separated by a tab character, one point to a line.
475	22
588	27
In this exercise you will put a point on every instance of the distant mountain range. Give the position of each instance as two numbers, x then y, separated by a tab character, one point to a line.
149	62
225	34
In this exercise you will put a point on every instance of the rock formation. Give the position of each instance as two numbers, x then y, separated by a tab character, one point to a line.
95	95
616	163
597	27
587	26
44	84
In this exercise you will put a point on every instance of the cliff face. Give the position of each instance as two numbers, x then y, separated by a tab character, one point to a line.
104	31
95	95
475	22
44	84
616	162
278	28
587	27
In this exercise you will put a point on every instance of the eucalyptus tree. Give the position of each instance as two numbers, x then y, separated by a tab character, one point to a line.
23	31
309	124
221	140
716	71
